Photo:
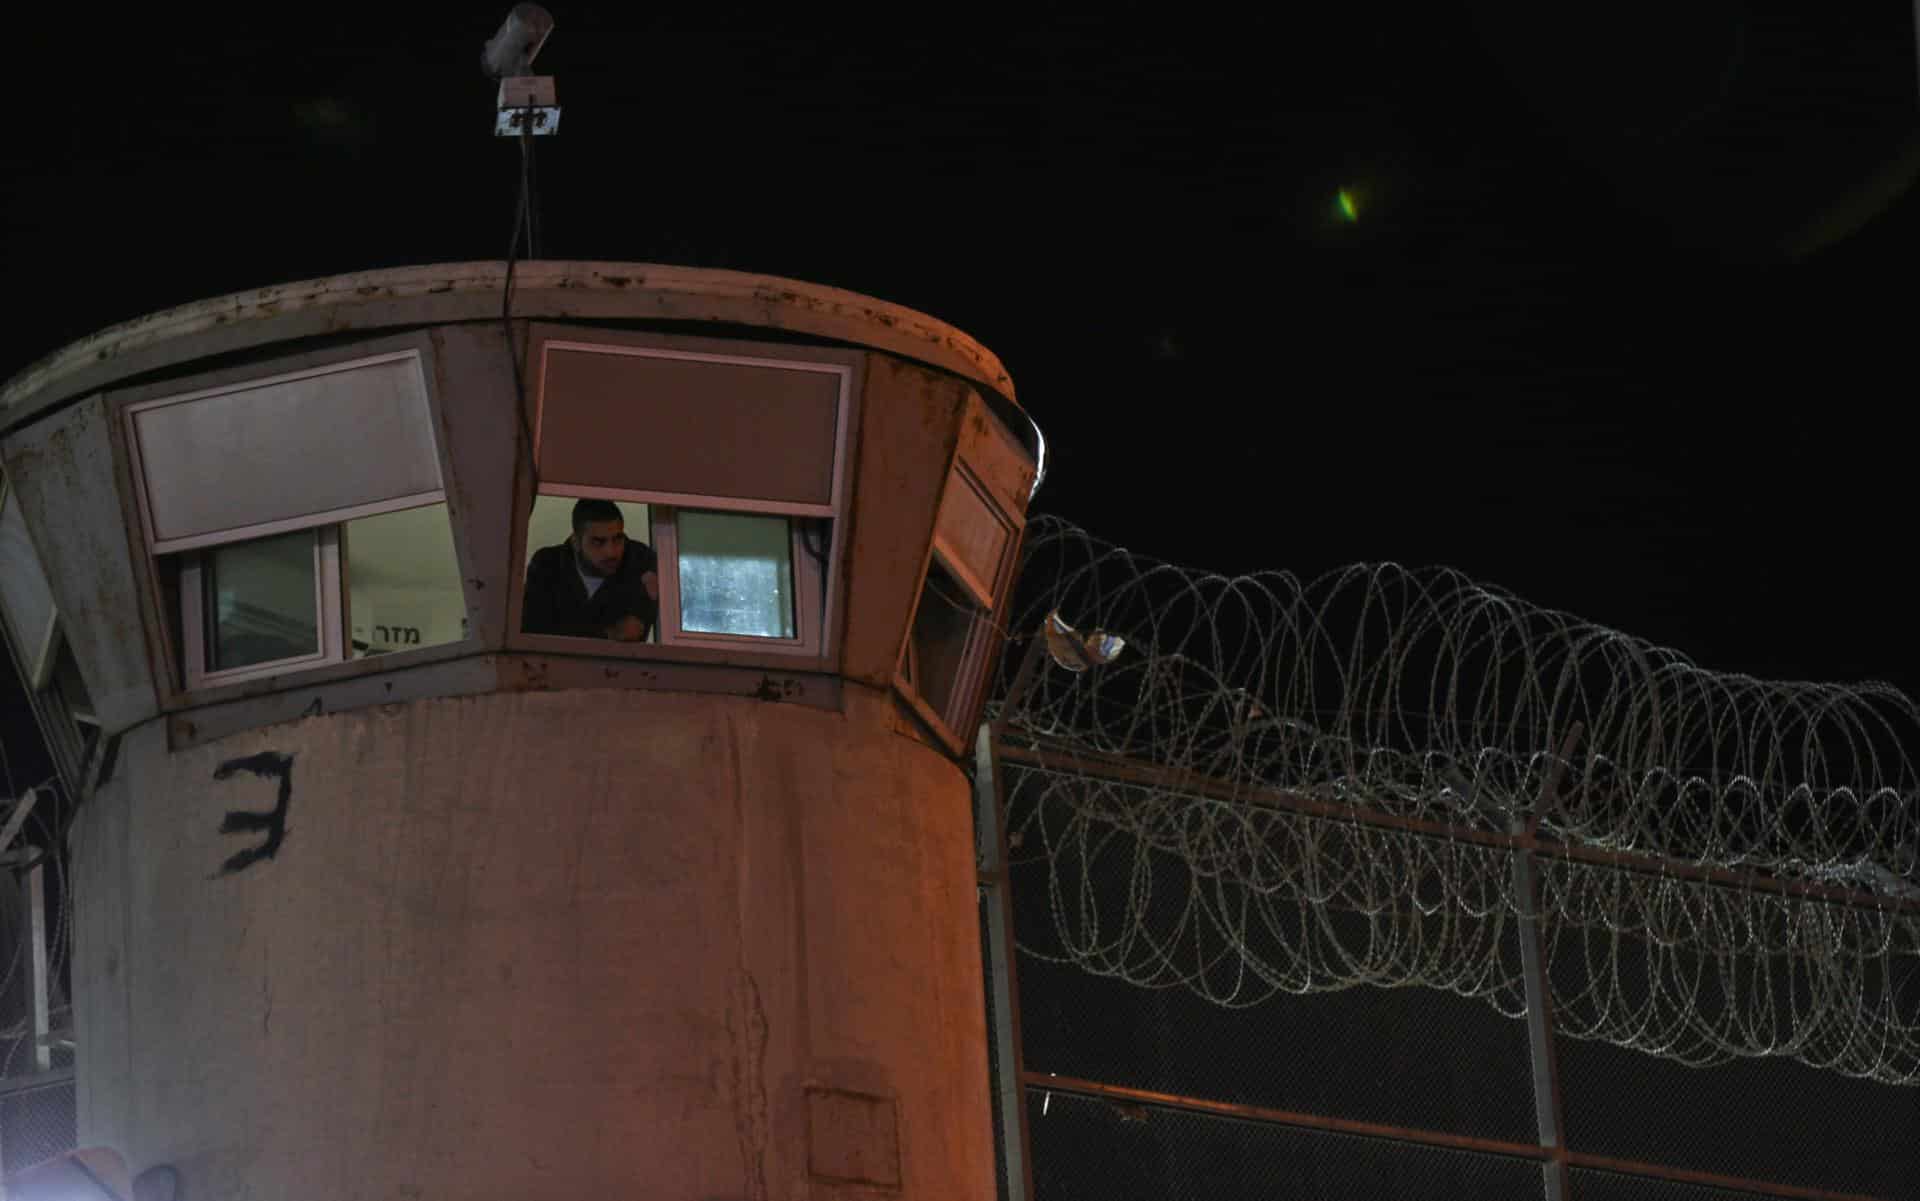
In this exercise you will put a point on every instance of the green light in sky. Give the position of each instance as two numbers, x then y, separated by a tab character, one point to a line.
1343	200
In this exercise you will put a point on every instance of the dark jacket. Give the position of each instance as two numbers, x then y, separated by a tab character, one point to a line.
557	603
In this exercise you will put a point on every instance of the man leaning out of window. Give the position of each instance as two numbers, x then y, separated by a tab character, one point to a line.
596	584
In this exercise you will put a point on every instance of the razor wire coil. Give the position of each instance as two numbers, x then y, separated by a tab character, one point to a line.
1463	713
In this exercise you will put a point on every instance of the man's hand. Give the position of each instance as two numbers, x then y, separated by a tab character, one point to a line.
627	629
651	581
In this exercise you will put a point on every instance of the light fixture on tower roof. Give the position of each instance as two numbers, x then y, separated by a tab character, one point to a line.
527	103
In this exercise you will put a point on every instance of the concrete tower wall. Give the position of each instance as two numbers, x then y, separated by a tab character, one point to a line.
590	943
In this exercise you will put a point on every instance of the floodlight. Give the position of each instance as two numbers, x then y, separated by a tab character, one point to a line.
526	106
510	52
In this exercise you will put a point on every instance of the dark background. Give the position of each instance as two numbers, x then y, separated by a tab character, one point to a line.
1622	324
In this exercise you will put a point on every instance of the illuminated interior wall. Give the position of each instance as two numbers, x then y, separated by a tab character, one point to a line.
552	521
403	581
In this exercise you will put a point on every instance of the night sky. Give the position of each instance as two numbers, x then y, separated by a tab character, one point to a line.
1620	320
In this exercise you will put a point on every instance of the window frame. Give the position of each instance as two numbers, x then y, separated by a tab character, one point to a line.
157	546
808	611
950	717
968	673
329	587
705	500
986	593
164	572
819	591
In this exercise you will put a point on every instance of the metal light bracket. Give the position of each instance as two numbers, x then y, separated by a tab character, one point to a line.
526	104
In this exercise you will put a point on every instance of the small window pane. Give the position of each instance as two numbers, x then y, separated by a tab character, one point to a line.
943	626
736	574
263	601
974	533
403	581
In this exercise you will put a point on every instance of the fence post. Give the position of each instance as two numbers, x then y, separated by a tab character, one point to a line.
1004	1038
42	1025
1549	1117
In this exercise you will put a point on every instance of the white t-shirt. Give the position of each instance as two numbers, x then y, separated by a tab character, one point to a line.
592	582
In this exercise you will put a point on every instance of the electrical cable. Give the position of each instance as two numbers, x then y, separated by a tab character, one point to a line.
522	228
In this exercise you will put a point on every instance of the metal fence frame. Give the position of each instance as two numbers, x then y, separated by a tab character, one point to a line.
44	1084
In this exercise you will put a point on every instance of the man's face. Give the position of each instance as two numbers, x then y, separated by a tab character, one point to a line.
599	547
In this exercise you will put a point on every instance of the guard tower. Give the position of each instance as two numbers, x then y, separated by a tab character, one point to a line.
377	894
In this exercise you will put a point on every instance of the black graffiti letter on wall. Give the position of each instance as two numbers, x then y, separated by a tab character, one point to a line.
267	765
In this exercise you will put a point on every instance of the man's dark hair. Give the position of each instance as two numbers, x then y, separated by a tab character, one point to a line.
594	509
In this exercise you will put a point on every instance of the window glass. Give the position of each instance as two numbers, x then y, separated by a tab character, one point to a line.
953	637
736	574
264	605
943	626
403	581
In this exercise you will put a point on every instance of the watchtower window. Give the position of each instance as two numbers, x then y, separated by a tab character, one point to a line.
721	578
372	586
950	642
949	628
303	517
263	599
729	469
736	574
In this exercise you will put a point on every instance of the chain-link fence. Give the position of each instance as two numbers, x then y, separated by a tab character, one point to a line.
1593	1185
1766	1119
1362	1089
36	1050
1093	1149
1402	1056
36	1120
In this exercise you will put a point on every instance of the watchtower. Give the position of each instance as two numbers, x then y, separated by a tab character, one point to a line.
378	892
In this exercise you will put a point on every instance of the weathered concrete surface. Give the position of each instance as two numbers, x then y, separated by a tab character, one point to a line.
585	943
452	292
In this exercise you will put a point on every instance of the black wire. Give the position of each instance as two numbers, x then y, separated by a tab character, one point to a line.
530	187
522	225
815	530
